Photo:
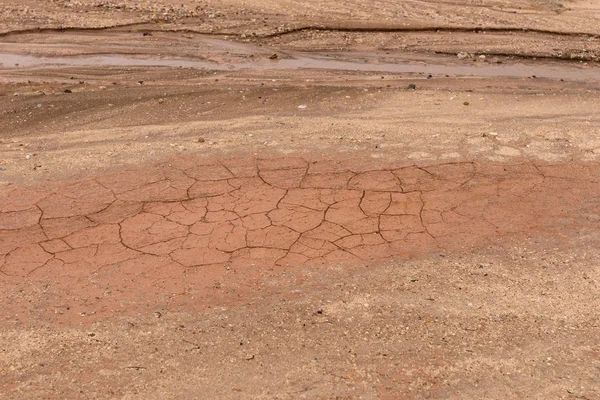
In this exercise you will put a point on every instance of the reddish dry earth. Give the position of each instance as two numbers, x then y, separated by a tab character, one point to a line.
346	278
246	199
175	232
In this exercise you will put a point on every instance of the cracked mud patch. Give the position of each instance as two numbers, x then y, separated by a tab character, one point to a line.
196	232
233	199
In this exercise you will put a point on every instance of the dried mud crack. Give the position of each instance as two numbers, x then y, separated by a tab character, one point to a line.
188	226
227	199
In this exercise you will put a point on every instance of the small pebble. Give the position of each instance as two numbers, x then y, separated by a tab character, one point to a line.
490	134
412	86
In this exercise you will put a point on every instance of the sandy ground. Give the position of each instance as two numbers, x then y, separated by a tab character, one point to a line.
248	199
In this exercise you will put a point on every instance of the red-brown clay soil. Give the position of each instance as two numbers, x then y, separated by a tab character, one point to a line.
299	199
119	241
159	273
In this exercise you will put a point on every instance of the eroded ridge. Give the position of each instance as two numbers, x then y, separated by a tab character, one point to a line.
180	227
